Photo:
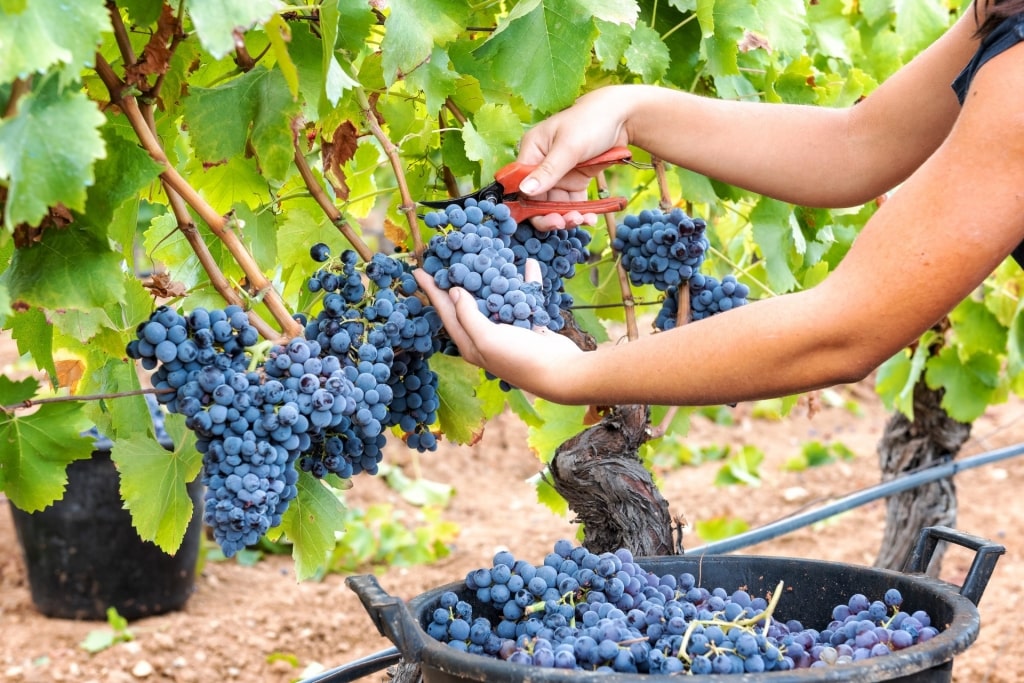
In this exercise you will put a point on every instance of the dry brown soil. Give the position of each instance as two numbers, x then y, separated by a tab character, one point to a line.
240	617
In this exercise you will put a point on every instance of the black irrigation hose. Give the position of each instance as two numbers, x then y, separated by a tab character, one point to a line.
370	664
377	661
856	499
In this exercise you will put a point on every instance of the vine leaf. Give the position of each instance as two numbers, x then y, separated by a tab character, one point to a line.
47	152
542	52
647	54
460	414
255	108
559	424
971	383
153	486
491	137
414	27
38	35
216	22
77	265
778	235
37	448
310	523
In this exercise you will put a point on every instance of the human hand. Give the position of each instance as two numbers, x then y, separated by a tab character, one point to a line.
535	360
558	144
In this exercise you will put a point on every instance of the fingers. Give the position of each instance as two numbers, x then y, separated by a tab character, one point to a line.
458	312
532	272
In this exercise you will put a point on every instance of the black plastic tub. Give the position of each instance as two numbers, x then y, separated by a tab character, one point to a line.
811	589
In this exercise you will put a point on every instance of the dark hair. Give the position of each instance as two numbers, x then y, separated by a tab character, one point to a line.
997	11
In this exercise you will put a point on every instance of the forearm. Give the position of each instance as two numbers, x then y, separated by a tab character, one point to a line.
809	155
776	347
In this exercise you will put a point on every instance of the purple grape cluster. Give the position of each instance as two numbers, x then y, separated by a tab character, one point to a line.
660	249
580	610
480	248
708	296
321	403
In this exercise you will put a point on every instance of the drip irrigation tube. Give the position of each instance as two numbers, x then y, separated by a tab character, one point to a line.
887	488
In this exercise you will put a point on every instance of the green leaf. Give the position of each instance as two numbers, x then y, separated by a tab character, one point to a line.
35	451
418	491
919	24
560	423
81	272
784	22
279	34
548	496
491	137
970	385
719	528
541	51
12	392
741	467
647	55
38	35
611	44
34	336
460	414
414	28
154	487
778	236
619	12
255	108
977	329
310	522
47	151
216	22
435	79
121	175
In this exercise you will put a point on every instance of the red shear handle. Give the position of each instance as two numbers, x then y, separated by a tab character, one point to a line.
511	175
524	209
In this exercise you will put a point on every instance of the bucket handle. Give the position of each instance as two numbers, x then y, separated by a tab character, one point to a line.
987	553
390	615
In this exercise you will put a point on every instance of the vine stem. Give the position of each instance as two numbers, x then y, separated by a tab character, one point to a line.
33	402
683	293
18	89
408	205
628	302
220	225
323	200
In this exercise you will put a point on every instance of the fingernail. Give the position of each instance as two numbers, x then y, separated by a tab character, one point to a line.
529	186
455	294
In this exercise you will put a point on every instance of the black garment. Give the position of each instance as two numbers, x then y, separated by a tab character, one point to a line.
1007	34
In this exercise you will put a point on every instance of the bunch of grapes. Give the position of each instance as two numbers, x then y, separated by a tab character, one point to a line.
321	402
605	613
472	250
660	249
708	296
482	249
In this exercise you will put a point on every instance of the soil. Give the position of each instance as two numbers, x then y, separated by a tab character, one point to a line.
257	623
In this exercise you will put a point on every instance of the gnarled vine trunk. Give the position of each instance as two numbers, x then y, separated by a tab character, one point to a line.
906	445
600	475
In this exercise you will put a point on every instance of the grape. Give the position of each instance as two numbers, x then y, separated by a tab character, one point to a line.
320	252
660	625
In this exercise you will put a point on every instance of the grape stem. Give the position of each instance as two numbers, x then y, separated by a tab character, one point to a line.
122	95
739	623
323	200
33	402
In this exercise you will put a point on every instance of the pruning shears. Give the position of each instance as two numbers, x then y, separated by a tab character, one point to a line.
505	190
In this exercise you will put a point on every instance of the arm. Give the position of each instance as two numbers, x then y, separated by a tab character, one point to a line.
809	155
935	240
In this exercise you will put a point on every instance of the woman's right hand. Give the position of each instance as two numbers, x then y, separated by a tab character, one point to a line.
593	125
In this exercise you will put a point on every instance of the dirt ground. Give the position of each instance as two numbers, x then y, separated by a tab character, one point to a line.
240	619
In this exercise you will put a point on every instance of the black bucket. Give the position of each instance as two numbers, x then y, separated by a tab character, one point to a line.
812	589
82	554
